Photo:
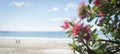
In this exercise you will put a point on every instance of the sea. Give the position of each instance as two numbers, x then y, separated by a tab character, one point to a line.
35	34
39	34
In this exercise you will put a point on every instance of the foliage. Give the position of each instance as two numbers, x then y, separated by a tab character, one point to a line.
106	14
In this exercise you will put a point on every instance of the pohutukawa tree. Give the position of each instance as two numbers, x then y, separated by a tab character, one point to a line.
106	15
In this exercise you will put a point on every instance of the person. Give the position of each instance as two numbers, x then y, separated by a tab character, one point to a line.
17	41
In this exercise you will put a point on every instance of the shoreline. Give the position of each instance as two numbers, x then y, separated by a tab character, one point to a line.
36	39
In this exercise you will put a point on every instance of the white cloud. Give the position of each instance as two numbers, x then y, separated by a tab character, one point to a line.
70	6
60	19
54	9
66	9
19	4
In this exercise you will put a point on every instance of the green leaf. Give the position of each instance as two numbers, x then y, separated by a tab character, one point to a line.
116	19
94	36
69	32
89	7
96	21
72	45
71	23
94	31
90	19
94	8
75	47
90	1
69	35
99	51
96	47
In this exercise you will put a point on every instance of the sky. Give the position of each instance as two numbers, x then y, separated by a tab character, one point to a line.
36	15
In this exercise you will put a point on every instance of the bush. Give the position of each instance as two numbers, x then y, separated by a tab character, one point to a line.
102	13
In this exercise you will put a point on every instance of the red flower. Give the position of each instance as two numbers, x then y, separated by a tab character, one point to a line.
97	2
82	4
82	11
66	25
76	28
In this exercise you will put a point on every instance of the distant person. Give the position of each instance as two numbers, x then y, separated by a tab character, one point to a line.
17	41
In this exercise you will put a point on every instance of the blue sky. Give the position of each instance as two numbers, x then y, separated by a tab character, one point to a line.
36	15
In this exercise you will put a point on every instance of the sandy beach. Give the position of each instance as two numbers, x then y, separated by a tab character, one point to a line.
34	46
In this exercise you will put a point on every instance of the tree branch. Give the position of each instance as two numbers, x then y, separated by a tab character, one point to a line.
89	50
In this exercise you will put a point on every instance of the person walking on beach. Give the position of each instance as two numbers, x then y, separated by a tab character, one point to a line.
17	41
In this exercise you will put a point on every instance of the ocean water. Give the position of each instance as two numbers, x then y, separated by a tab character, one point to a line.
43	34
40	34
